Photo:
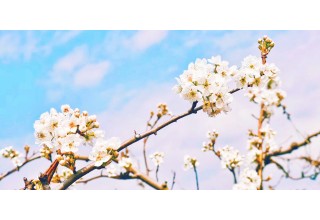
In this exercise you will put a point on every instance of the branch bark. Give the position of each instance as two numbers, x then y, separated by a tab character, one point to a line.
293	146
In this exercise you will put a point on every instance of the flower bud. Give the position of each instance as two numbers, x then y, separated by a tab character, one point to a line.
92	118
27	148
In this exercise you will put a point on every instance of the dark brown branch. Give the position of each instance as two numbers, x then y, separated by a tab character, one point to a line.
119	177
19	167
288	176
136	138
294	146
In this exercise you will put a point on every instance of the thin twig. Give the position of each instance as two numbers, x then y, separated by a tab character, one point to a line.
19	167
157	170
145	140
294	146
234	176
118	177
196	174
232	170
173	180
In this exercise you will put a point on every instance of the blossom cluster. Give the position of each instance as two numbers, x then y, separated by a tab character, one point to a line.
12	154
61	175
103	150
249	180
209	146
64	132
253	73
230	157
266	139
261	78
206	81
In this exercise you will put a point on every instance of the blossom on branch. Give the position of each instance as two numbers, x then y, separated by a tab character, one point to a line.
206	81
190	162
230	157
12	154
125	163
103	150
157	158
249	180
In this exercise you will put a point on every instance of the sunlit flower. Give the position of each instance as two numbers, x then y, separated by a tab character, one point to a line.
157	158
190	162
230	157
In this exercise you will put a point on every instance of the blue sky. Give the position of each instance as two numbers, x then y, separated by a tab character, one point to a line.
122	75
28	58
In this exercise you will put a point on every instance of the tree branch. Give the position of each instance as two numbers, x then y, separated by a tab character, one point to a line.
87	169
294	146
19	167
119	177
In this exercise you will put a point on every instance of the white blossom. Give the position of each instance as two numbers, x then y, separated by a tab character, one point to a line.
65	130
125	162
212	135
13	155
249	180
206	81
230	157
190	162
101	151
157	158
112	171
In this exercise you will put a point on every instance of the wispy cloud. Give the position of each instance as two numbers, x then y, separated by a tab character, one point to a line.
62	37
9	46
76	69
66	66
14	44
142	40
91	74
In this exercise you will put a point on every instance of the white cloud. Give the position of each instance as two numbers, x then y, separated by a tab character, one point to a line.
72	60
91	74
62	37
15	44
77	69
9	46
63	70
142	40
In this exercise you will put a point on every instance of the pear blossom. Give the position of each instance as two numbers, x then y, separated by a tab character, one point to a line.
61	175
249	180
13	155
112	171
212	136
101	151
157	158
190	162
37	184
230	157
17	161
206	81
125	162
207	147
65	130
